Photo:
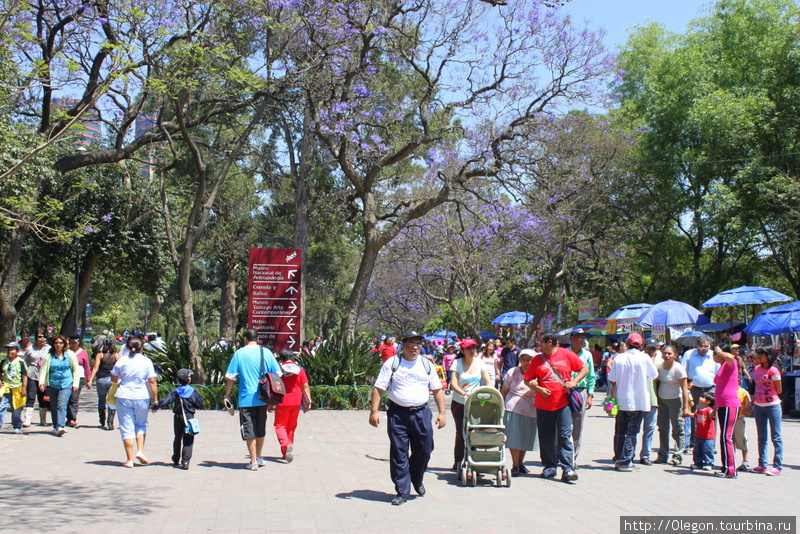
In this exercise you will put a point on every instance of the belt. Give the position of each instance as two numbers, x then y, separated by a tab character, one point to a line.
411	409
704	388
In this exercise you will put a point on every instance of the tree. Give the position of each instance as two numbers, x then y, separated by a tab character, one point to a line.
413	101
720	132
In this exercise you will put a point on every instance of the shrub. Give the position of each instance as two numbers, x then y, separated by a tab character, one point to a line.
342	362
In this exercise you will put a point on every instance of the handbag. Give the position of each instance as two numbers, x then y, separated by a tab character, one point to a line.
111	398
192	424
575	397
271	389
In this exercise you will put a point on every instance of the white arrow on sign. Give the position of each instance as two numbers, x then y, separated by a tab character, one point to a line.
290	323
291	273
291	341
293	307
292	289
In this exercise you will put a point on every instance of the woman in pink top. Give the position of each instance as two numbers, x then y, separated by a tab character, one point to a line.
768	409
727	404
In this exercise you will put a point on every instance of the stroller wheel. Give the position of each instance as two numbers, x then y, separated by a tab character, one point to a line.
474	477
462	475
500	477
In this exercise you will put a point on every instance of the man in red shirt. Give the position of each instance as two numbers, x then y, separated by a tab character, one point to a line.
549	375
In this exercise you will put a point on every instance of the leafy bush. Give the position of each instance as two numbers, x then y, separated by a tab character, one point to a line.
175	356
339	362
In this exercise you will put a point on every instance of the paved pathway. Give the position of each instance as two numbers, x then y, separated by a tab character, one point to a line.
339	482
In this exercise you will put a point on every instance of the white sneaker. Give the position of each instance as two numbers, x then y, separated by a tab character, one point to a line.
253	467
60	432
17	431
261	461
288	456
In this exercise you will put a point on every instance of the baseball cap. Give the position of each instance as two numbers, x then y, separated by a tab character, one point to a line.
577	332
652	344
13	345
184	376
411	334
635	340
468	342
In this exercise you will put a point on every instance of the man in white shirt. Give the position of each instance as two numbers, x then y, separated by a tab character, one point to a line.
629	377
408	380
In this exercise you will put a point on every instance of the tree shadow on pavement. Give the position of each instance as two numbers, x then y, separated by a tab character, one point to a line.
58	503
366	495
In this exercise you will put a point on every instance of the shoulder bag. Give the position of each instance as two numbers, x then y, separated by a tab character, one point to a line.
192	424
270	386
576	400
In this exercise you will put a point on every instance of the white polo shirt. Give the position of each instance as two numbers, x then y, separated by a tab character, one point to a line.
410	386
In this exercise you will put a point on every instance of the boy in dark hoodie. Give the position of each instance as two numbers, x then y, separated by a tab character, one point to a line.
186	402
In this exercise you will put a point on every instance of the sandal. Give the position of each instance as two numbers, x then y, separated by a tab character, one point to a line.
127	464
142	460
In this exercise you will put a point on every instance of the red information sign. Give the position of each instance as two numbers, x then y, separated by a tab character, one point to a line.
275	296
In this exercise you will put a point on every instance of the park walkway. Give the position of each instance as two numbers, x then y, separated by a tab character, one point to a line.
339	482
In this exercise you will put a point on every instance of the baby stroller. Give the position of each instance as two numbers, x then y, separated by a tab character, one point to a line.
484	437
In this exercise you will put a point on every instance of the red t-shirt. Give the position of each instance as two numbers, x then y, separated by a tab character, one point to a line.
387	351
564	362
705	425
294	389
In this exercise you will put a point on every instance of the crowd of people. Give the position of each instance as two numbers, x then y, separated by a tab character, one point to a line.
689	398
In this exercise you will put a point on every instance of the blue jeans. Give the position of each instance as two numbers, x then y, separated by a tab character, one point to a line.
626	426
59	400
16	415
555	438
703	454
648	429
102	386
769	415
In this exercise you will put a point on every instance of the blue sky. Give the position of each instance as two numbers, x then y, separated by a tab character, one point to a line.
617	17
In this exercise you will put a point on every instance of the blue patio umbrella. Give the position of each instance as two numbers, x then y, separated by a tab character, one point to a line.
777	320
630	311
486	335
513	318
444	334
672	313
743	295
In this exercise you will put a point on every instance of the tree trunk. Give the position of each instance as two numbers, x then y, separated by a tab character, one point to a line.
8	286
555	273
68	325
301	215
26	294
187	312
359	292
227	302
158	301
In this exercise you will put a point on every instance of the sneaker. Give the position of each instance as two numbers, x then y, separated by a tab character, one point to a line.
695	466
707	468
261	461
676	459
723	474
72	424
645	461
288	456
759	469
569	475
744	467
773	472
660	461
60	432
253	467
625	468
550	472
17	431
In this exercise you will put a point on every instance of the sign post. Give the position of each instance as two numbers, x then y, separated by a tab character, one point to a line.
275	303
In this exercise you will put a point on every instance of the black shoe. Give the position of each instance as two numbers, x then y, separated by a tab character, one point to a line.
185	466
398	500
515	471
660	461
175	461
523	470
645	461
420	490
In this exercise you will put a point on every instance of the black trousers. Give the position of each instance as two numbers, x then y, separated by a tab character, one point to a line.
183	442
626	427
74	398
409	429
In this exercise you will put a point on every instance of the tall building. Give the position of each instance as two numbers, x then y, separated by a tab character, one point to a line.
88	126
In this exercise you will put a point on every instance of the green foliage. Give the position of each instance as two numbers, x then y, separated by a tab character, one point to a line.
175	356
339	362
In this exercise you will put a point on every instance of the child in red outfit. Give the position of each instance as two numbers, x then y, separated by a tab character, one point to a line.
296	383
705	433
